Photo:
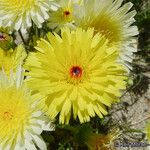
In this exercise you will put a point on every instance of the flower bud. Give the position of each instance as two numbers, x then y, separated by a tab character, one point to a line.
6	41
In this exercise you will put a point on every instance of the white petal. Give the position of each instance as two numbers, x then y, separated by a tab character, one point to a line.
39	142
37	129
39	18
30	145
48	127
37	114
18	23
19	147
28	136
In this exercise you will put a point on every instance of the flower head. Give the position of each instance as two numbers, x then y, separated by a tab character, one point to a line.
6	41
19	14
63	15
21	123
113	20
10	59
77	72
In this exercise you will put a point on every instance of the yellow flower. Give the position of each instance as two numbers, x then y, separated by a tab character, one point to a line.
77	72
21	123
19	14
63	15
113	20
10	59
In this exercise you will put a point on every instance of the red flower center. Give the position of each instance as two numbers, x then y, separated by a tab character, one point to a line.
66	13
2	37
76	72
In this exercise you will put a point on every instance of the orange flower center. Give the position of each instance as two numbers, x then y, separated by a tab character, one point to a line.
7	115
76	72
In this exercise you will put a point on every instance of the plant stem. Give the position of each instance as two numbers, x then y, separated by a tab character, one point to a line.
22	38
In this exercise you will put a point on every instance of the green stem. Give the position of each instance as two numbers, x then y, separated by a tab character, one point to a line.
23	40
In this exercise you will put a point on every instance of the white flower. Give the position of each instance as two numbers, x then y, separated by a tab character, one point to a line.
62	15
21	122
19	14
114	21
